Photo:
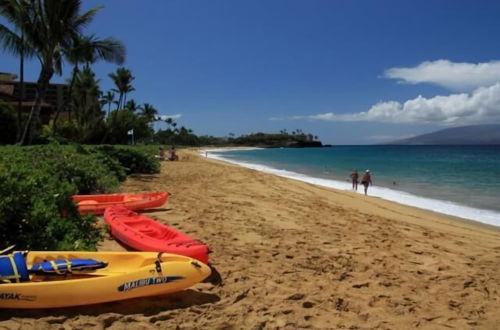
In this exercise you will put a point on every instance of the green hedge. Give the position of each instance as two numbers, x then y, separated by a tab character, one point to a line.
134	159
36	211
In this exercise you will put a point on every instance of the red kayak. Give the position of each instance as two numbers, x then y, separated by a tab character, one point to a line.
145	234
96	204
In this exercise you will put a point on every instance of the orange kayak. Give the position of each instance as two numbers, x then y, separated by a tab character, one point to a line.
96	204
145	234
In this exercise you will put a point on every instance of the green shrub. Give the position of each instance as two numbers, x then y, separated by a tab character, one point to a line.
112	164
133	159
36	211
7	123
86	171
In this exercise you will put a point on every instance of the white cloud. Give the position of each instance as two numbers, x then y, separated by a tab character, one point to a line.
479	101
165	117
480	106
455	76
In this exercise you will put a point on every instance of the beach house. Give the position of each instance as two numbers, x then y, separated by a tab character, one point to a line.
55	97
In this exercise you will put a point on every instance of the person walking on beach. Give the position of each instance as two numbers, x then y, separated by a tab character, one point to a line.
354	178
366	180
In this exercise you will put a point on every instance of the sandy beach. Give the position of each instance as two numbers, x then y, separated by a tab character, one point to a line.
294	255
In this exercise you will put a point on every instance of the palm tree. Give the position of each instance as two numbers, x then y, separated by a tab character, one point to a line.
15	12
90	49
170	122
122	79
49	27
85	100
131	106
109	98
148	112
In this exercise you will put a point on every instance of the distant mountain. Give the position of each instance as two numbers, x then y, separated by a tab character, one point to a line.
476	134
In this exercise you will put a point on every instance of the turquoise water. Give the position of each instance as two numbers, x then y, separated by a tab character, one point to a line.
465	175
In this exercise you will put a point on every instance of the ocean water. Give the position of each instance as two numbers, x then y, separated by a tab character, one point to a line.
462	181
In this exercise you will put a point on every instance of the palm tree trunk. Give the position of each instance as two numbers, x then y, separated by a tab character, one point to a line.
68	102
119	101
122	103
106	134
21	92
31	124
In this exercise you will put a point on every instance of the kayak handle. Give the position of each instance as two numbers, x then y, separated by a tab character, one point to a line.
158	262
158	266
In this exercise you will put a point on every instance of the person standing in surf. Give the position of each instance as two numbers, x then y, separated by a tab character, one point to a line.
354	179
366	180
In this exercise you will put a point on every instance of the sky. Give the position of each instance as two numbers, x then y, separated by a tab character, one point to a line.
348	71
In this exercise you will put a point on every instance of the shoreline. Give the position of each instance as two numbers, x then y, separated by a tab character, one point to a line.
448	208
296	255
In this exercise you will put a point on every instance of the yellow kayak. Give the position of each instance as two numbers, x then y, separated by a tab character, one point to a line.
122	275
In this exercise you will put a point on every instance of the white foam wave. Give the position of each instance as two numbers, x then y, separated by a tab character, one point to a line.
445	207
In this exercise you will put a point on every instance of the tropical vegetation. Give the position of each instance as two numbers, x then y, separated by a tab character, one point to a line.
293	139
36	211
53	31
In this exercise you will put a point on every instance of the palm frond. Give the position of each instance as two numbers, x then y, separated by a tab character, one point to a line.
10	10
84	19
91	49
110	50
16	12
10	41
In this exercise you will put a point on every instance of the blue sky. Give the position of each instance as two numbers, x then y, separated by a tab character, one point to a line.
351	72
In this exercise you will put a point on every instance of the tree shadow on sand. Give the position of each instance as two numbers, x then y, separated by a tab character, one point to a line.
147	306
144	177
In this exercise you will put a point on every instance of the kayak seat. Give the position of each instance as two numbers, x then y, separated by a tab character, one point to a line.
13	268
88	202
166	235
133	198
65	266
145	228
150	232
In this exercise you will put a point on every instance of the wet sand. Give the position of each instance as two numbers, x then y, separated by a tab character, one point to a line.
294	255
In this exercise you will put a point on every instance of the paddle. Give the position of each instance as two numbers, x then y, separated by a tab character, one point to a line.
7	250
